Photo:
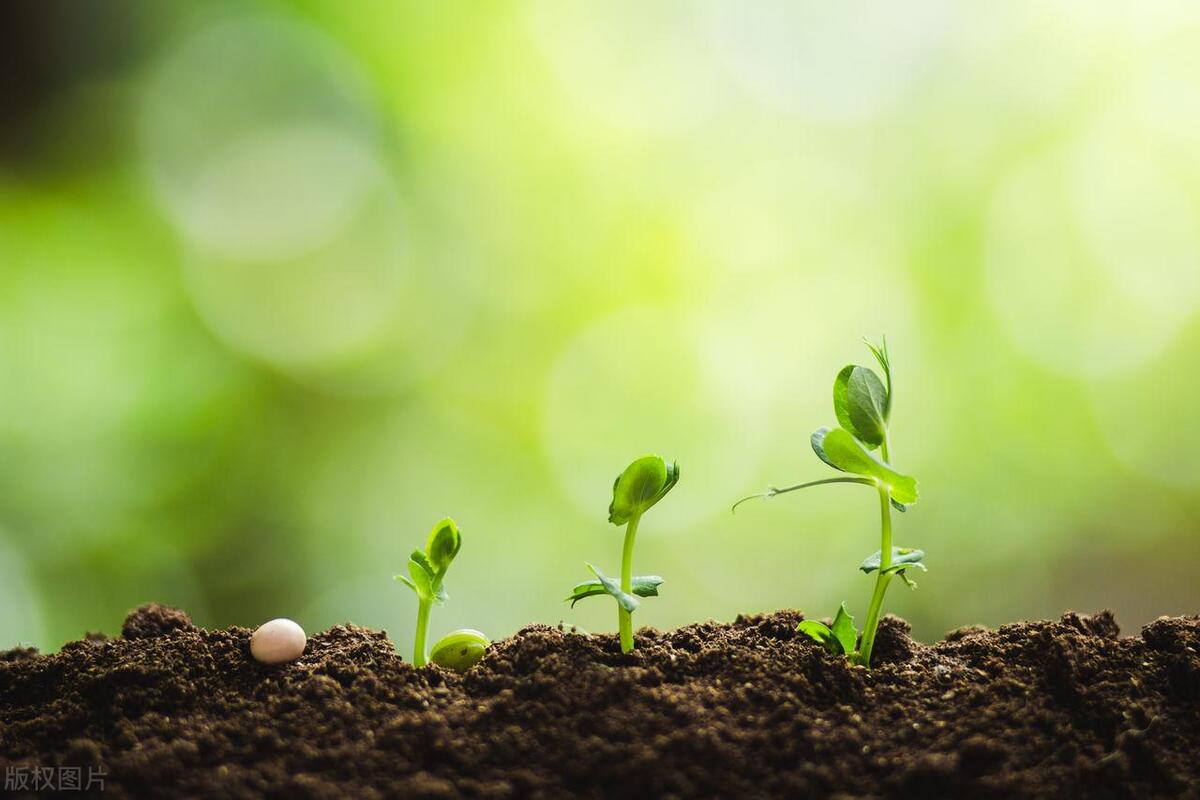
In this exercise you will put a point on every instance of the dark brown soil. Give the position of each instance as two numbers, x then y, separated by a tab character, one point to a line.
750	709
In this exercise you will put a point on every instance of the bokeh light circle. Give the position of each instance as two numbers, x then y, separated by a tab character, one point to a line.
655	380
310	311
258	137
639	67
820	61
1092	258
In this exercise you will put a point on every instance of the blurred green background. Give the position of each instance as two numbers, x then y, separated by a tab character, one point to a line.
281	284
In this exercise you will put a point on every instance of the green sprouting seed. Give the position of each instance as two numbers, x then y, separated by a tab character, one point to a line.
635	491
459	650
426	569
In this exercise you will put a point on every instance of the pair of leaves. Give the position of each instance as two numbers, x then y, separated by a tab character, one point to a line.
839	449
641	585
903	559
861	401
427	567
643	483
840	639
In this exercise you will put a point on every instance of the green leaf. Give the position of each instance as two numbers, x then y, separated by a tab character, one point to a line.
821	633
843	630
859	400
643	586
902	558
422	560
880	352
626	601
460	650
422	581
643	483
443	544
403	579
840	450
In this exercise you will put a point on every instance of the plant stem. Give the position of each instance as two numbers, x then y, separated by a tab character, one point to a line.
423	607
624	618
882	579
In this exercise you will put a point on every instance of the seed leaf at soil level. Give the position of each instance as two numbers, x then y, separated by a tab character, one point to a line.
840	450
859	400
821	633
643	586
626	601
902	558
844	631
643	483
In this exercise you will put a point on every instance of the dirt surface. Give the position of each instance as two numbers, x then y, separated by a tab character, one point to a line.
748	709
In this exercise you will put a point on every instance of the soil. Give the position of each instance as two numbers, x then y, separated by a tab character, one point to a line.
748	709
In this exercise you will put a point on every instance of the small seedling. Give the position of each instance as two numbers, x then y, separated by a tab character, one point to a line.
643	483
426	569
863	405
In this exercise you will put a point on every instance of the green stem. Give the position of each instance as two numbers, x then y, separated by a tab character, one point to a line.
882	579
423	607
624	618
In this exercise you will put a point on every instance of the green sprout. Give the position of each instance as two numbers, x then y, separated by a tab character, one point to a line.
863	405
459	650
643	483
426	569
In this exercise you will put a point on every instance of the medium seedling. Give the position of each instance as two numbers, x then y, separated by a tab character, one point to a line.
426	569
643	483
863	405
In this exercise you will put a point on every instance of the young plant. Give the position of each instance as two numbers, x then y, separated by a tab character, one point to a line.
643	483
863	405
426	569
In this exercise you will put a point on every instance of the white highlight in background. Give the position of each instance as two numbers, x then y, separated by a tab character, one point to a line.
1092	260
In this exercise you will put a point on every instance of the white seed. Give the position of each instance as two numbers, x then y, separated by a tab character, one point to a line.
277	641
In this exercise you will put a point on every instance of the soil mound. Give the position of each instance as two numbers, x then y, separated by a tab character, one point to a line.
747	709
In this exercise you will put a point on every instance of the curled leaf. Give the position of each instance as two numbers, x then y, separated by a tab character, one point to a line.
860	402
642	585
902	558
422	581
443	545
626	601
820	632
840	450
643	483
